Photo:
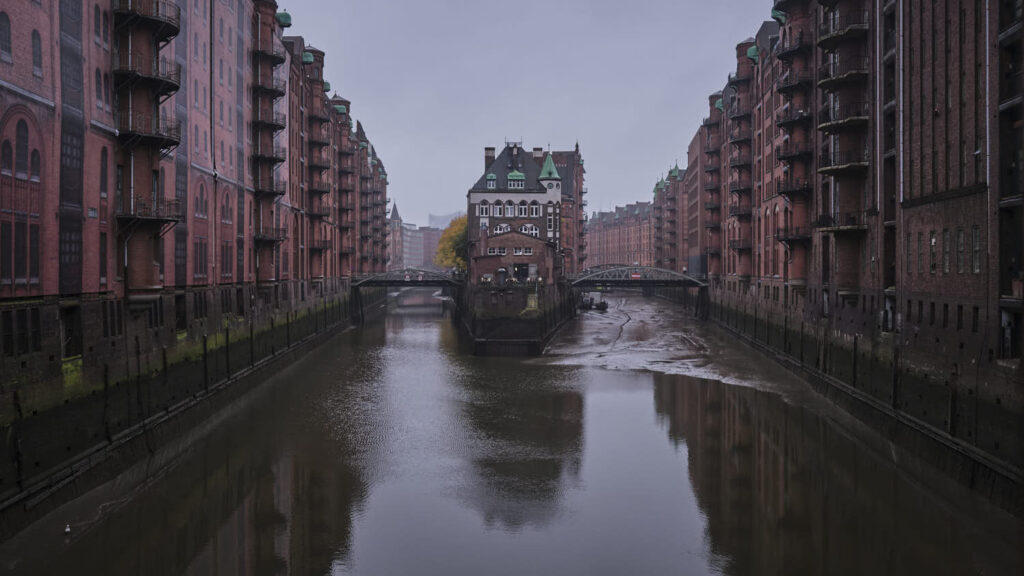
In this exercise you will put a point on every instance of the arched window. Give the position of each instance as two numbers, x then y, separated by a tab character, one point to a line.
200	199
106	27
34	167
21	150
529	229
6	158
103	172
96	24
106	89
37	54
98	79
5	37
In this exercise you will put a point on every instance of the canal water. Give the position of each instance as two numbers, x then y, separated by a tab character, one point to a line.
643	443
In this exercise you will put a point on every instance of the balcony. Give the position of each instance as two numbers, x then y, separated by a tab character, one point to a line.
713	251
740	185
790	151
1011	89
739	161
270	235
269	153
795	187
319	211
843	162
712	167
163	16
740	244
319	187
148	129
712	205
161	74
842	222
847	70
319	162
792	116
712	224
270	86
346	223
739	211
712	186
833	119
794	81
852	25
320	245
739	135
268	49
269	187
274	121
160	211
712	147
318	114
710	121
789	234
793	47
739	78
319	141
739	112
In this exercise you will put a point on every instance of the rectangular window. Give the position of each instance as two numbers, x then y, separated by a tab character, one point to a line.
20	251
485	210
522	210
551	222
946	251
920	252
974	320
959	316
960	241
931	252
910	255
6	263
910	311
528	251
7	330
976	250
491	251
945	315
103	257
517	251
535	210
931	313
497	210
490	184
502	251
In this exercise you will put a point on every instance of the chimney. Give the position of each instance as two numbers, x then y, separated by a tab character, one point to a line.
538	154
488	157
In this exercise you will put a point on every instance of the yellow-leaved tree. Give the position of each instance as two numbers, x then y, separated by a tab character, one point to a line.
453	247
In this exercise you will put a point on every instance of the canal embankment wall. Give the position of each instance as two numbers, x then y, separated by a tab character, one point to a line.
515	320
65	432
960	412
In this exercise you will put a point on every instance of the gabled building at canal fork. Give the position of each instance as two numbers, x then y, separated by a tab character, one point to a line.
853	199
172	174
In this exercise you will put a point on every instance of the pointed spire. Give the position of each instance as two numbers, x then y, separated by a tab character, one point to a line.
394	212
549	172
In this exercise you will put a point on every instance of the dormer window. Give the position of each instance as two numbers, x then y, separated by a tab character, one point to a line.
516	180
530	229
492	181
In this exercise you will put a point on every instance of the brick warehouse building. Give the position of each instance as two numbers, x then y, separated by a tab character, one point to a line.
622	236
181	167
854	200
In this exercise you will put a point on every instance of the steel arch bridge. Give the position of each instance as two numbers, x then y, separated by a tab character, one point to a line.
406	277
638	276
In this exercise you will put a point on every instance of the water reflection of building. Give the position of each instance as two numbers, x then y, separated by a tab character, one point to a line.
526	448
787	491
230	506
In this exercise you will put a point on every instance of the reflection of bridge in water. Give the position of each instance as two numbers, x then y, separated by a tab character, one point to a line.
638	276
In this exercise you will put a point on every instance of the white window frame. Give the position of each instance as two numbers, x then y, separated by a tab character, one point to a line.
502	251
517	251
492	251
516	184
497	210
491	184
534	210
522	210
528	251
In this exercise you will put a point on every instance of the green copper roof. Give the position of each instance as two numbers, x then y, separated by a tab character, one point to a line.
284	19
753	54
491	176
362	144
516	175
674	172
779	16
549	172
718	103
307	57
327	86
340	109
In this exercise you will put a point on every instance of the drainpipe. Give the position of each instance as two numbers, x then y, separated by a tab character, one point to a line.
213	156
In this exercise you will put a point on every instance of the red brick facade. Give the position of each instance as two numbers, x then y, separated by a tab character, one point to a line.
169	164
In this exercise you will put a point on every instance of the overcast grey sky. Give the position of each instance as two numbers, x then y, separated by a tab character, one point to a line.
435	81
